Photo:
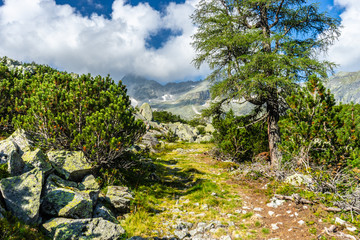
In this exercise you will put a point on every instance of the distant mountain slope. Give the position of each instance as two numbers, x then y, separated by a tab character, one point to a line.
345	86
187	99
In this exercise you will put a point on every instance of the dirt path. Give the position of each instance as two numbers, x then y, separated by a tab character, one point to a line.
201	199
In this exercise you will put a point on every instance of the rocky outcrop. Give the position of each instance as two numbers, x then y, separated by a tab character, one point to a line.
59	185
91	228
22	195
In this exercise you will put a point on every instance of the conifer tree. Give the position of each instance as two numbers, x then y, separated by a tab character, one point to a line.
259	50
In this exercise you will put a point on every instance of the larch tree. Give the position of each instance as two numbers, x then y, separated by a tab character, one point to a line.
259	50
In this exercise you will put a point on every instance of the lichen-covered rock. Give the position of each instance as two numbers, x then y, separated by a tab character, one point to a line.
89	183
64	202
209	128
95	228
53	182
146	111
298	179
119	198
185	133
20	138
9	153
71	164
205	138
22	195
36	159
101	211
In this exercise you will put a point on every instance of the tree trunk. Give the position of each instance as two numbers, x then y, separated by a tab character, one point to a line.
274	132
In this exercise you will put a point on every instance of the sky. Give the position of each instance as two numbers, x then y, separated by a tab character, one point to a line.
119	37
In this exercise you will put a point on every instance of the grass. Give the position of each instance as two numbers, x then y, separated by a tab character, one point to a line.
190	187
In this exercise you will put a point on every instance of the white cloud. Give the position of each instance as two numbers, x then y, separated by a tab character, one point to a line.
345	51
41	31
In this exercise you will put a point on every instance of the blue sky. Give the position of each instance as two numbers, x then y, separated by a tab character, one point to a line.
118	37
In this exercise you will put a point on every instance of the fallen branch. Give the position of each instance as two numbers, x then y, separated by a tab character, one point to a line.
332	231
295	198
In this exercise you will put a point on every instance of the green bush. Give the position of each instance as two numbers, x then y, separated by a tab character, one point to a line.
318	131
13	89
166	117
238	137
86	113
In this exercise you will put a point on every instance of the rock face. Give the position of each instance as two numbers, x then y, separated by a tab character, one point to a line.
22	195
146	112
72	165
95	228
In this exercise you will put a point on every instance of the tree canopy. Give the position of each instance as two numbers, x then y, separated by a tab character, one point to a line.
259	50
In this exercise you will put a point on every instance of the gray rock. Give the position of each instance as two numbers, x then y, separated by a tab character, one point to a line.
20	138
64	202
119	198
9	153
209	128
72	165
53	182
181	234
22	195
205	138
36	159
149	140
185	133
146	111
298	179
101	211
95	228
89	183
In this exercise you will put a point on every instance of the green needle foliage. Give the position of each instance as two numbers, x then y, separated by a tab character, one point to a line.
317	131
66	111
259	50
237	137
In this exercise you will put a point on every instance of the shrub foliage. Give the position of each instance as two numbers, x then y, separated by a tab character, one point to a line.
238	137
67	111
318	131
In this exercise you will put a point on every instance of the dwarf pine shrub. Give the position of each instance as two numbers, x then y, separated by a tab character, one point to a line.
91	114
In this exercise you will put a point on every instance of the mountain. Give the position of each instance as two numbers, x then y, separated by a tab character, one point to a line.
187	99
345	86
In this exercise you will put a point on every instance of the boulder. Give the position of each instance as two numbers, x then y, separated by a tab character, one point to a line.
65	202
146	111
119	198
22	140
9	153
22	195
209	128
185	133
298	179
103	212
149	140
53	182
89	183
92	228
205	138
71	164
36	159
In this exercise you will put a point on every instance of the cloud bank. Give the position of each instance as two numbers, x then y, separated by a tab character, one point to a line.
57	35
345	51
